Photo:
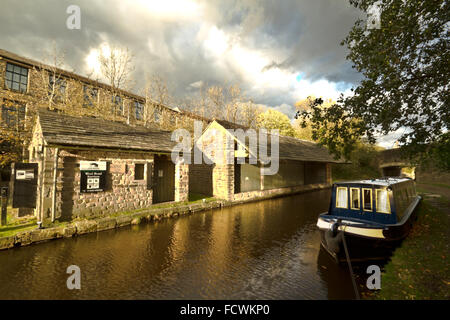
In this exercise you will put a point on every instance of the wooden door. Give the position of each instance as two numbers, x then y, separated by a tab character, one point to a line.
164	180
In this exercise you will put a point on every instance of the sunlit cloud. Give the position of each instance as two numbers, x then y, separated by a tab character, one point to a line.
215	42
93	62
92	59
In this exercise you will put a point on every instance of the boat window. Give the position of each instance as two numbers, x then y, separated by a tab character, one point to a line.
341	197
382	200
367	199
354	198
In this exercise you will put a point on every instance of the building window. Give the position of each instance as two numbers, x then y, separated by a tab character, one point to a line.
341	197
57	87
139	110
382	200
16	77
139	171
13	115
117	104
90	96
354	198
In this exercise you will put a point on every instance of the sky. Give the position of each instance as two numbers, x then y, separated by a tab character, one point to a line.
278	52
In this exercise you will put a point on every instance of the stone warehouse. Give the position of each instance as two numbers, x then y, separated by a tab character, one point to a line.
90	167
302	165
27	85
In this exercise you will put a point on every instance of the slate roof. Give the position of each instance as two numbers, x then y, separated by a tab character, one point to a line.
295	149
61	129
291	148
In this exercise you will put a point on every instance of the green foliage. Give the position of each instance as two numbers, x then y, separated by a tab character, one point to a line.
272	119
440	152
12	135
405	85
331	126
364	164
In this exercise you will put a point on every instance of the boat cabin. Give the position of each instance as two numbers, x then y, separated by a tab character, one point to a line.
383	201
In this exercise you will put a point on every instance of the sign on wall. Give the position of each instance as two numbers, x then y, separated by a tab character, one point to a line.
93	176
24	185
25	174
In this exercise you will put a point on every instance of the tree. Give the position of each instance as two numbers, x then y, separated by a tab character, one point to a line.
223	102
48	89
12	134
249	113
304	130
156	94
405	86
272	119
116	65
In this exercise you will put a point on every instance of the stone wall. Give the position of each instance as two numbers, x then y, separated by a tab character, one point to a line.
220	153
122	192
75	91
181	181
2	73
247	196
223	181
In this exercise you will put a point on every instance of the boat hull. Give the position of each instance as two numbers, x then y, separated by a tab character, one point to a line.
364	241
360	248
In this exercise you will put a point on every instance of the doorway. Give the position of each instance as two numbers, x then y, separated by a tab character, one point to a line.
164	180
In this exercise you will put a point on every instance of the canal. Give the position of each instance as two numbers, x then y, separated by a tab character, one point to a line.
260	250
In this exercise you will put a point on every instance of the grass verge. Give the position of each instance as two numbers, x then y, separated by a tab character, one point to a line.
419	268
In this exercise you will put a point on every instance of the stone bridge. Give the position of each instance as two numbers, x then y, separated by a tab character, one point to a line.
392	164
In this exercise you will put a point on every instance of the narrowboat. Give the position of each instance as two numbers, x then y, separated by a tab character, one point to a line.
373	216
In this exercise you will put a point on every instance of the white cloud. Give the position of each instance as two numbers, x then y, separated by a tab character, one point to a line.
171	9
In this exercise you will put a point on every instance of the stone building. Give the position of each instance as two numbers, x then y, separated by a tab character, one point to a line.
302	165
20	79
25	86
137	172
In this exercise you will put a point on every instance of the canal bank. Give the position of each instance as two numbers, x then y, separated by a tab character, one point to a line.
419	268
121	219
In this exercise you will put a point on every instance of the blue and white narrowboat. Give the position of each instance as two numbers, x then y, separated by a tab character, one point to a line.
373	216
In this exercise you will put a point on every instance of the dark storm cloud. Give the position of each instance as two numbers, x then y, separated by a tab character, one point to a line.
309	31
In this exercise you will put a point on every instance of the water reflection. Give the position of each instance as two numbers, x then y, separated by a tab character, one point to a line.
262	250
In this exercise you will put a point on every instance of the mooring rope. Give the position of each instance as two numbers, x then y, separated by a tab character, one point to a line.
350	265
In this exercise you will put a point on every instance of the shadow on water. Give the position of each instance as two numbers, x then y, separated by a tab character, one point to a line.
261	250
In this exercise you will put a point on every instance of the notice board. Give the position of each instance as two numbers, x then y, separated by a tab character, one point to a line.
93	176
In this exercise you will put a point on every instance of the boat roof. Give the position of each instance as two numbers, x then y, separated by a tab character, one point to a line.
385	182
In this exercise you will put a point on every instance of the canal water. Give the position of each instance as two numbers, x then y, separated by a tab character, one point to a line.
260	250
